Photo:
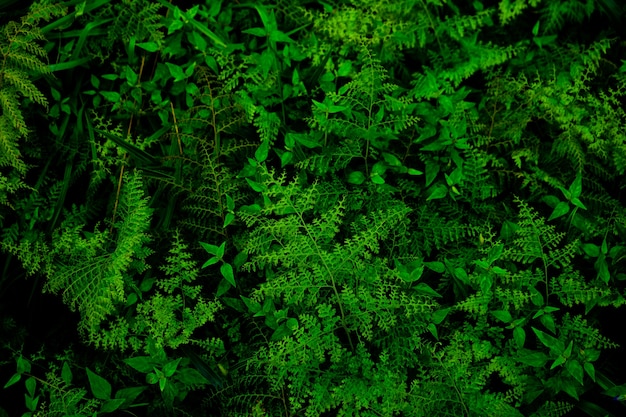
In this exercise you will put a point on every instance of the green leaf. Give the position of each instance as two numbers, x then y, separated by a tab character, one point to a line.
323	107
574	368
576	188
23	365
336	109
210	261
519	336
262	151
436	192
548	321
176	71
31	386
31	402
129	394
148	46
532	358
559	361
191	377
281	332
220	250
435	266
278	36
439	315
502	315
549	341
425	289
212	249
143	364
495	253
561	209
377	179
112	405
255	185
227	272
433	330
356	177
223	287
66	374
228	219
152	378
15	378
591	250
285	158
100	387
578	203
590	370
253	306
112	96
292	323
260	32
170	367
446	104
344	69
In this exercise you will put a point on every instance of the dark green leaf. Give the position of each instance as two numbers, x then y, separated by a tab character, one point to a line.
502	315
143	364
112	405
100	387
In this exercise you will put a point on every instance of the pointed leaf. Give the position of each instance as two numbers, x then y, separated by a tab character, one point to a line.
561	209
100	387
66	373
227	272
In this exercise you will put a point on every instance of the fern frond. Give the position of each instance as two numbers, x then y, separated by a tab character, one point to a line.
89	275
9	152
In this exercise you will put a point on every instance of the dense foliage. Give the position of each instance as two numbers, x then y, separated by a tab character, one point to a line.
312	208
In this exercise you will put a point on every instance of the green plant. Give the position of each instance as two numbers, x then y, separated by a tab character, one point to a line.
288	208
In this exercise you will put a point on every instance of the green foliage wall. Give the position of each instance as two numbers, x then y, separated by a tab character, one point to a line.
281	208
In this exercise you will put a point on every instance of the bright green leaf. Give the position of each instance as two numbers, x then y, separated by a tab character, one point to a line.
561	209
260	32
255	185
210	261
229	218
344	69
227	272
262	151
111	96
170	367
148	46
439	315
176	71
576	188
436	192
